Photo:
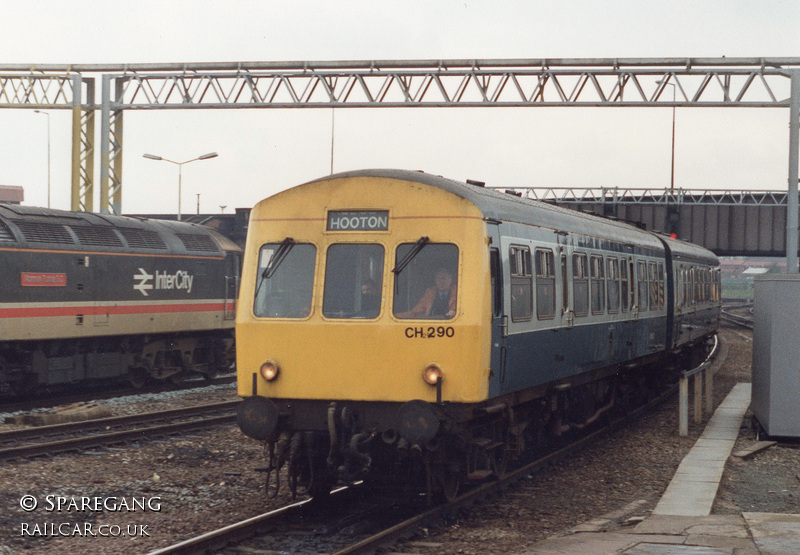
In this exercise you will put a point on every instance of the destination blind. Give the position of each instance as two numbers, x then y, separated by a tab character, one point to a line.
358	220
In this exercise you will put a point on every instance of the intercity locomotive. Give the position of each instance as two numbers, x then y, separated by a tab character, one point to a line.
94	297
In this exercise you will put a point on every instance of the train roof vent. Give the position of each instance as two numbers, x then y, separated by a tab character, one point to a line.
142	238
197	242
97	236
5	234
40	232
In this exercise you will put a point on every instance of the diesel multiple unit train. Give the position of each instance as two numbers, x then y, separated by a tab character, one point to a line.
399	327
90	296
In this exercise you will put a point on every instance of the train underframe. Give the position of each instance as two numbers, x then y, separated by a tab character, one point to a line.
460	443
28	365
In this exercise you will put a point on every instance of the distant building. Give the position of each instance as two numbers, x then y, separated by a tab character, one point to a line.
11	194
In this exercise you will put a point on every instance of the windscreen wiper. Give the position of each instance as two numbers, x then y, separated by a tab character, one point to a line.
418	246
284	248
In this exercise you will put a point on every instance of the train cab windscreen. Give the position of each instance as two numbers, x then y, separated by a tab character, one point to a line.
285	281
426	285
353	281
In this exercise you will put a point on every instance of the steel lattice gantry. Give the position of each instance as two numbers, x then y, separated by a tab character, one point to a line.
634	82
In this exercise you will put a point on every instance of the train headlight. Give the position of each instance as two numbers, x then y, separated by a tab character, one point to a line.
269	370
432	374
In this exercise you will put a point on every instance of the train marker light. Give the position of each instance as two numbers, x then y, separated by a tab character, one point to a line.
269	370
432	374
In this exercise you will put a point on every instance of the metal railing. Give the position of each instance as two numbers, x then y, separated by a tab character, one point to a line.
698	374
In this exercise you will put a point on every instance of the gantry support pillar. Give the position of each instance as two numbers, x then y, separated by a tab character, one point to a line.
792	201
82	146
110	150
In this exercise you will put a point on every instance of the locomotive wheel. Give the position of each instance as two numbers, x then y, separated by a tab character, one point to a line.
448	482
137	378
177	378
498	461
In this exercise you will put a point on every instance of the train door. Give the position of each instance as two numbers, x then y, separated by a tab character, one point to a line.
499	318
567	313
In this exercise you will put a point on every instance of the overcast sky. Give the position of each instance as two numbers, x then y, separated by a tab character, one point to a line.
264	151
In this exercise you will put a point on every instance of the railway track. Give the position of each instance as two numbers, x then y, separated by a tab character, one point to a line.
744	321
351	522
76	436
10	404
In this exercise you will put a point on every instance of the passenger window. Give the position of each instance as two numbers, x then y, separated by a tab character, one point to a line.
353	281
625	284
580	284
613	284
426	286
545	285
285	280
521	284
598	285
661	285
641	275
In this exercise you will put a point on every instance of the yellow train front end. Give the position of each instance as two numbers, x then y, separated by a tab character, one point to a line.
364	312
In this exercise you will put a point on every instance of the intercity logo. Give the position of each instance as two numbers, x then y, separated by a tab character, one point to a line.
179	280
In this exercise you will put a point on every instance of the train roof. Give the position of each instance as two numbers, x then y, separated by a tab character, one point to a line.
504	207
44	228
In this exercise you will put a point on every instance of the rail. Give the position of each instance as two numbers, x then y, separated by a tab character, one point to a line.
699	374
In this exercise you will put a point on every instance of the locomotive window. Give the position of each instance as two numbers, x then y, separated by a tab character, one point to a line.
625	284
613	284
287	292
545	285
427	286
641	275
353	281
521	284
598	285
580	284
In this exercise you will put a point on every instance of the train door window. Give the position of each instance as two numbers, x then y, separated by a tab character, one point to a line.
661	285
641	276
580	284
353	281
545	284
613	284
426	281
597	285
652	277
564	285
497	282
521	284
285	280
624	286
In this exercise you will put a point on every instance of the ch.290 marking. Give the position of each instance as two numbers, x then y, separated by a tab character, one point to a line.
430	332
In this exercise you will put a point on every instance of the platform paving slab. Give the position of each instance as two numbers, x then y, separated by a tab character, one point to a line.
775	534
691	493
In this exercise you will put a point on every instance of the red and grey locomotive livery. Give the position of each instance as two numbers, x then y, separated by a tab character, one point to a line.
89	296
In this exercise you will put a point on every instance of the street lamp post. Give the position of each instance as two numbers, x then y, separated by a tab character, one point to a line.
672	171
180	170
48	153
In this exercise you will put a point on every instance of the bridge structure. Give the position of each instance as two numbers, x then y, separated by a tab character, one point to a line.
727	222
620	82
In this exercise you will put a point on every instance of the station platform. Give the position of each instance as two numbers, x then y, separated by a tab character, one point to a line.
682	523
